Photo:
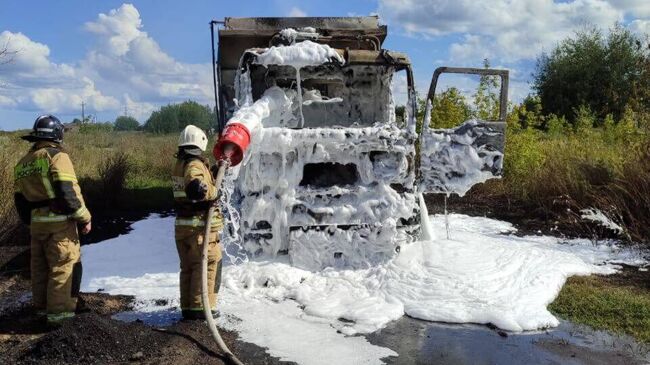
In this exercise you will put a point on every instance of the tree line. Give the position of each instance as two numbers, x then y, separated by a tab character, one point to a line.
170	118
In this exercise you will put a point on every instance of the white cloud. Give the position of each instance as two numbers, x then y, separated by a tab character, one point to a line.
31	60
32	82
641	27
130	61
61	100
295	11
471	51
636	8
510	32
120	27
508	29
138	110
7	102
124	67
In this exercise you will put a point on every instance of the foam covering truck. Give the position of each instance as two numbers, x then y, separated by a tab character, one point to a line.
332	176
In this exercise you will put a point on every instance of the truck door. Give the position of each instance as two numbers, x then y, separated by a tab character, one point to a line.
453	160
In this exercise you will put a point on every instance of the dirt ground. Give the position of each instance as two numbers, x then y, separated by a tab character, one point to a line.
95	338
529	220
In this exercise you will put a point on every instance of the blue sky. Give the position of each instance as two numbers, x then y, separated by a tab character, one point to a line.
144	54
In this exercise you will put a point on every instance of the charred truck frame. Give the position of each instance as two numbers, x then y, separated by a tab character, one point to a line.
335	182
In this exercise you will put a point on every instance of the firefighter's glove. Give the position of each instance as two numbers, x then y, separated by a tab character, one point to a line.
196	190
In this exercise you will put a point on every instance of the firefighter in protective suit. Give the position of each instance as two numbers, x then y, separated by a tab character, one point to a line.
194	191
48	199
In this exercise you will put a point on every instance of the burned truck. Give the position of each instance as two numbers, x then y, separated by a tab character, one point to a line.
332	176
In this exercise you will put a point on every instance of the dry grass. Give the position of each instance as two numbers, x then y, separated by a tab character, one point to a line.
149	155
626	198
557	176
113	172
9	221
106	163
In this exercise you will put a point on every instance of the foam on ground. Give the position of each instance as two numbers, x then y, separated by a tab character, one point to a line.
484	274
597	216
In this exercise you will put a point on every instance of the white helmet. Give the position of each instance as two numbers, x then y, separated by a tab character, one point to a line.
193	136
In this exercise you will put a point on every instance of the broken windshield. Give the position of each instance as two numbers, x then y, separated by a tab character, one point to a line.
332	95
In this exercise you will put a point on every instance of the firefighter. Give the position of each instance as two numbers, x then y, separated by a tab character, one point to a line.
194	191
49	200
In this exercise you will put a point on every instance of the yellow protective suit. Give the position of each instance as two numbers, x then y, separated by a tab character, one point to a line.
49	199
194	191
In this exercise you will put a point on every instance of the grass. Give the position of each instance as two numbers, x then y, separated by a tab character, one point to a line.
557	175
595	302
116	170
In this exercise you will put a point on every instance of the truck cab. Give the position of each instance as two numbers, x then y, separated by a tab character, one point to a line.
334	181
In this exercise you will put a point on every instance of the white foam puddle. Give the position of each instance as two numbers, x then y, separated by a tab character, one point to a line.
484	274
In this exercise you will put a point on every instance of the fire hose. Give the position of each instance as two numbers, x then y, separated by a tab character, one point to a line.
229	150
223	165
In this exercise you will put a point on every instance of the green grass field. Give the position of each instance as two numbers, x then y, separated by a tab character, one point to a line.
597	302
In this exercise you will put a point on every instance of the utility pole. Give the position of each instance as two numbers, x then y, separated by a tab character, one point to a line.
126	112
83	112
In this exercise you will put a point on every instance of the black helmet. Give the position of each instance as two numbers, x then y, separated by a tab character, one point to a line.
46	128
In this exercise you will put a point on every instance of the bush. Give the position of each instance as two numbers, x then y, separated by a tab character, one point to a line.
558	173
125	123
96	127
605	74
487	98
11	229
627	198
174	117
164	120
112	175
450	109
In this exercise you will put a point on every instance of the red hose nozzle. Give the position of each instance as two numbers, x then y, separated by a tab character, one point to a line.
233	142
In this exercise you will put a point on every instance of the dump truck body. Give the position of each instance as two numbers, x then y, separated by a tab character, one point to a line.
334	180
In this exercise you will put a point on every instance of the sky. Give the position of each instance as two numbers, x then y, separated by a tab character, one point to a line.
133	57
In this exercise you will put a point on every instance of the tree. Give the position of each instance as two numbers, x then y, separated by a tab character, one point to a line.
174	117
125	123
603	73
486	99
528	114
449	109
191	112
164	120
